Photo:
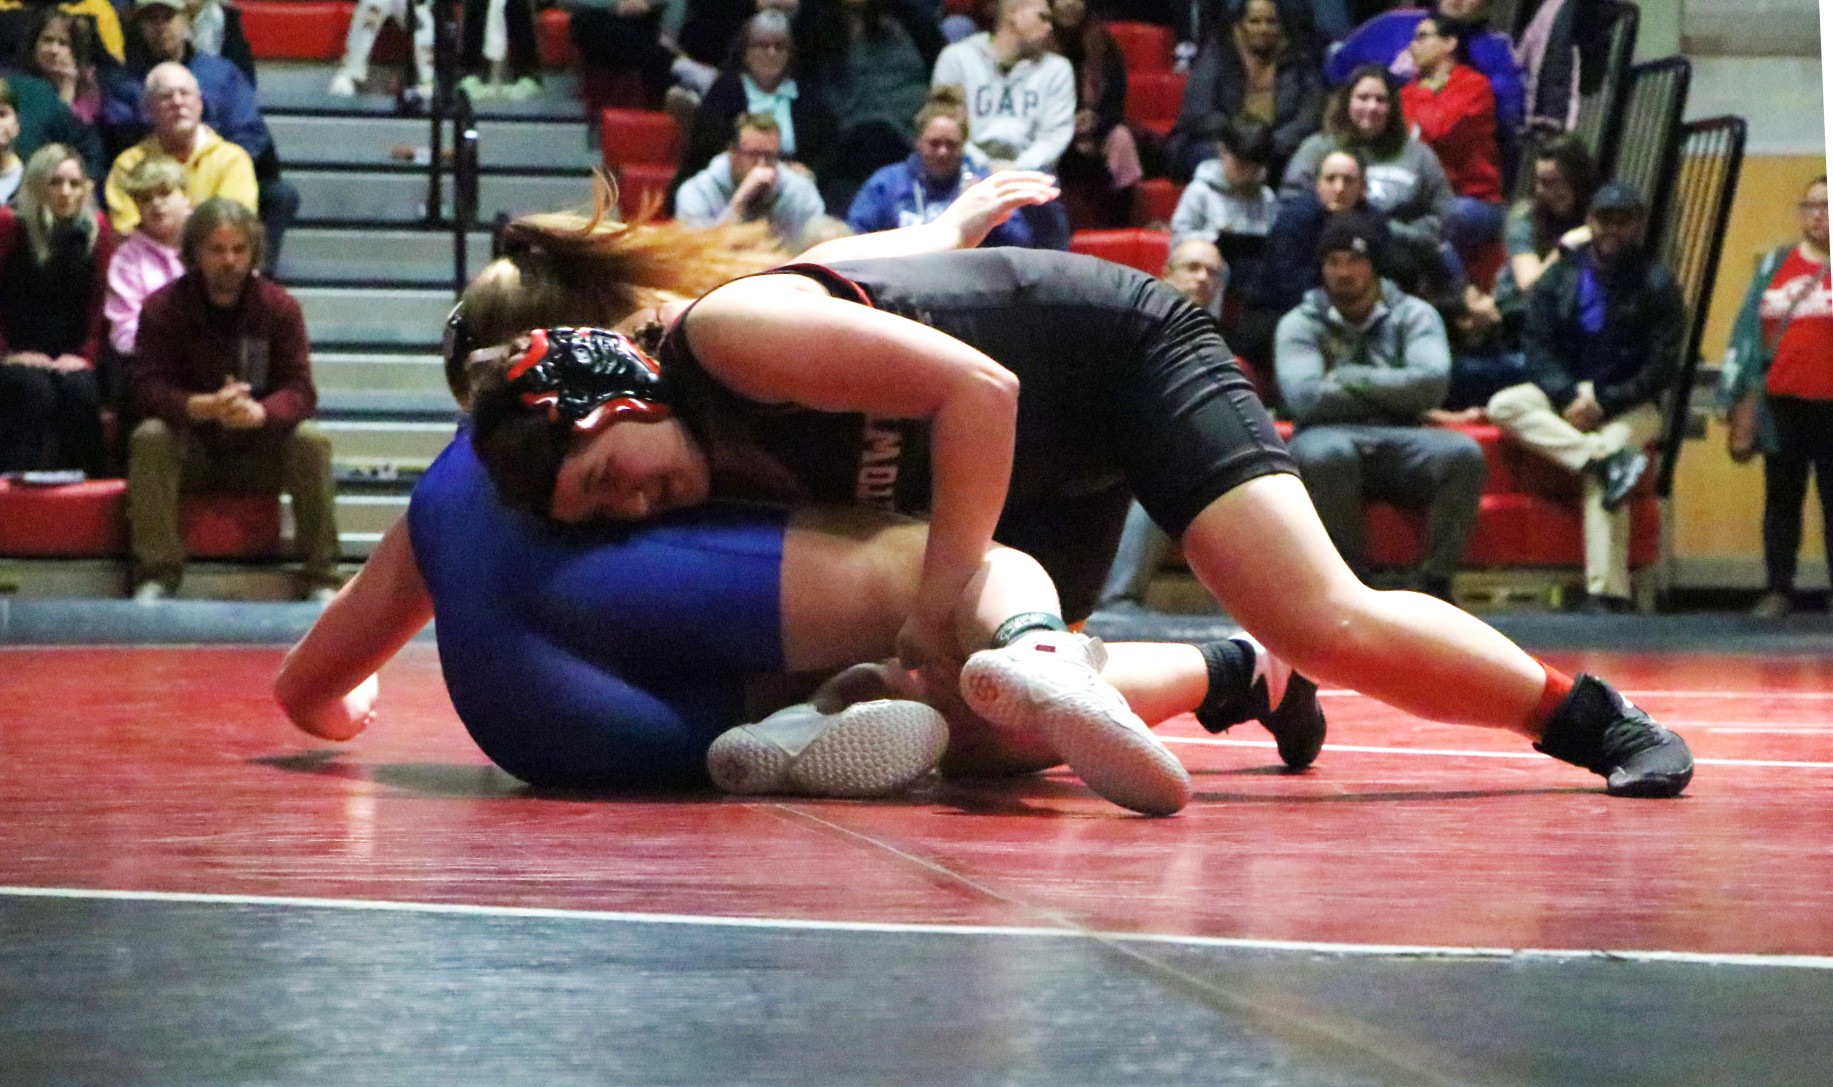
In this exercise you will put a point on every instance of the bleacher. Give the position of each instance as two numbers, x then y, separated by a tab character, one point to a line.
392	221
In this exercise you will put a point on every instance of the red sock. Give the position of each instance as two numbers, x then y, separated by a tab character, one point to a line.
1558	686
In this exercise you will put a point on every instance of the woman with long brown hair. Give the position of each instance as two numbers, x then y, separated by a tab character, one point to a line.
1404	179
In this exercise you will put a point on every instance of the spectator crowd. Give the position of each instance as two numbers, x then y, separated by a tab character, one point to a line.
1344	165
140	200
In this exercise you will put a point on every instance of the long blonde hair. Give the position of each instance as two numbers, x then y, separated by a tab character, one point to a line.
569	268
35	212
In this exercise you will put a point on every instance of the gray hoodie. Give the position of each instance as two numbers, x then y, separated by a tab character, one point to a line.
794	201
1388	371
1207	208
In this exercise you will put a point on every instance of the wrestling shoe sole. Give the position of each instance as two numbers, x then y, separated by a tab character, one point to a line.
1107	746
868	750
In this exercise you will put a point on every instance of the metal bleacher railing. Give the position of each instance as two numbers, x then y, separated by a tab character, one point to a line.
1600	111
1647	148
1704	183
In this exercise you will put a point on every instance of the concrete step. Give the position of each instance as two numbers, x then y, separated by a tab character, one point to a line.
331	196
106	580
353	140
412	317
378	445
300	86
385	403
360	517
377	254
335	371
321	140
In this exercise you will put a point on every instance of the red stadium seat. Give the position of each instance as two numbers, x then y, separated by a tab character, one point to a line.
641	183
225	526
79	520
607	88
551	39
296	29
637	137
89	520
1153	100
1131	246
1154	201
1144	47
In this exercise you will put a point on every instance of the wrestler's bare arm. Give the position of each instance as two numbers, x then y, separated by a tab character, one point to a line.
774	340
964	225
327	683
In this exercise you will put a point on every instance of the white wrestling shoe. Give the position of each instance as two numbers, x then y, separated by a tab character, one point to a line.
868	749
1050	683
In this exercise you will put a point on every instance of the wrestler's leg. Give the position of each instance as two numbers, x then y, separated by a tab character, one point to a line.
1262	551
1409	650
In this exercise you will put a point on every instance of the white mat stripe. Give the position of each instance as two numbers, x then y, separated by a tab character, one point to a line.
1804	962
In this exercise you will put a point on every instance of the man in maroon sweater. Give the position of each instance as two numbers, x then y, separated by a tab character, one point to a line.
222	377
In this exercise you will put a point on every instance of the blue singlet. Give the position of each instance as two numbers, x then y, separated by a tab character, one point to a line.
601	656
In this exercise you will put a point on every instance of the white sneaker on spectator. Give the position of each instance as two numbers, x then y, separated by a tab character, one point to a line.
1050	683
152	592
343	85
868	749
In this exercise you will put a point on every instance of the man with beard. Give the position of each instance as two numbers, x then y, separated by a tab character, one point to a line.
1602	339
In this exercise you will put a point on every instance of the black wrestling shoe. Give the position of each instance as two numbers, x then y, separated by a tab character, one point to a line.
1620	472
1295	719
1598	729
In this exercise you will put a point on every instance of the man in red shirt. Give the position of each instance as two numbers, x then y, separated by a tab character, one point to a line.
1454	110
221	372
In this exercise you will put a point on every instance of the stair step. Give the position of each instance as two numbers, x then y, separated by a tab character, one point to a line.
355	254
420	406
376	315
300	87
378	372
401	445
330	196
353	140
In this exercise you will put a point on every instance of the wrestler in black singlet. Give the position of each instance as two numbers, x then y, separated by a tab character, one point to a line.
1124	388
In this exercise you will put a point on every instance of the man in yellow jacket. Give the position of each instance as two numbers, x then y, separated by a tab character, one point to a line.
212	165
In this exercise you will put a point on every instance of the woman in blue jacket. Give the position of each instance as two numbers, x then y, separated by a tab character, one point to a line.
918	189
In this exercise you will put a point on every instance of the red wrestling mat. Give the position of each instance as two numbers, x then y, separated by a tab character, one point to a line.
169	770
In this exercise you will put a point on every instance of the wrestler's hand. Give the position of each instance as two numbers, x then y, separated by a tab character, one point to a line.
929	648
866	682
992	200
340	718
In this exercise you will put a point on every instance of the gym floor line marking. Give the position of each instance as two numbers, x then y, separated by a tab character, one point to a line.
1800	962
1457	753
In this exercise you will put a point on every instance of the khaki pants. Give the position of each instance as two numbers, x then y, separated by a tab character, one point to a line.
163	463
1525	414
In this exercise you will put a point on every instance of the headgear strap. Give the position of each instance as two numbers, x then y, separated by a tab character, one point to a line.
579	374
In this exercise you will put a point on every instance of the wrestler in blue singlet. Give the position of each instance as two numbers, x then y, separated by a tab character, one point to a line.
595	656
